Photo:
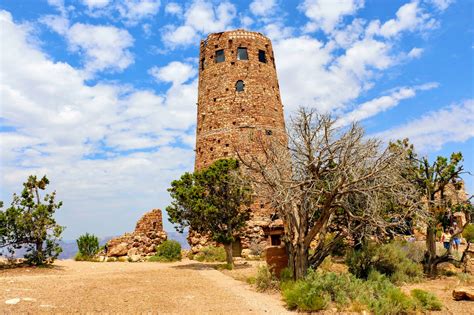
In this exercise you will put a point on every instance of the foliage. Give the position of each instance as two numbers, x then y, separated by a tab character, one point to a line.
468	233
266	280
308	181
29	223
427	300
167	251
432	181
388	259
88	245
210	254
215	200
377	294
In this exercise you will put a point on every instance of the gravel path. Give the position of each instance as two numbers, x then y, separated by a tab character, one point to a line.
186	287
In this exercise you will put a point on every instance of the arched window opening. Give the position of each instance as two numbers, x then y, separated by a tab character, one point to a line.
239	86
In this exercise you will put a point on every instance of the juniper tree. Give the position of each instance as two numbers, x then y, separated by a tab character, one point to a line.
212	201
29	223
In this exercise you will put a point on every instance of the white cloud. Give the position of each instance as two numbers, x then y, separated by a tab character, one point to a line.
383	103
327	14
135	10
57	23
92	4
415	52
409	17
431	131
80	136
262	7
201	17
105	47
441	4
174	9
102	47
175	72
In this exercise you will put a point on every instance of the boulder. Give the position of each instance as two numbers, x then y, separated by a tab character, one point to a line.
132	252
135	258
463	294
118	250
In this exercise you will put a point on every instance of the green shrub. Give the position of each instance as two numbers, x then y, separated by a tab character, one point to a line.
391	260
427	300
88	245
376	294
266	280
167	251
286	275
299	295
211	254
468	233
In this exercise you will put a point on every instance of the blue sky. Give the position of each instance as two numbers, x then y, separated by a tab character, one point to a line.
100	95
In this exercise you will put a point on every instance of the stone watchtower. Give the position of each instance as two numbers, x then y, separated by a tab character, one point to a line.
238	102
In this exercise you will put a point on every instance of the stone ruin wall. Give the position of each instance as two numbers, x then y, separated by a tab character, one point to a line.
143	241
231	121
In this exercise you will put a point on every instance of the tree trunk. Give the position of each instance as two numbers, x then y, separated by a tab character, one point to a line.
430	264
228	255
298	260
39	252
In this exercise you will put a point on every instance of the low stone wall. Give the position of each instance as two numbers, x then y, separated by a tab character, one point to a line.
143	241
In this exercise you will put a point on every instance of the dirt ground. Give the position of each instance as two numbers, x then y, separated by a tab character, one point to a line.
186	287
443	288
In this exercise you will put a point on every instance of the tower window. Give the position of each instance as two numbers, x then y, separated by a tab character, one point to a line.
268	132
242	53
261	56
239	86
220	57
202	64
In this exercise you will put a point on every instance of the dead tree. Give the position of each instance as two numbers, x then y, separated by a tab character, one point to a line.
328	183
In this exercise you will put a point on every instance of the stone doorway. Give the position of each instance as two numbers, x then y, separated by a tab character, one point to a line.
237	248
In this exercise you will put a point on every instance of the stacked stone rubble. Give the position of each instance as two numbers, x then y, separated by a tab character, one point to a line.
143	241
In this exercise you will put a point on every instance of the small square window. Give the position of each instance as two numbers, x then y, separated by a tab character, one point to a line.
239	86
261	56
276	240
220	57
242	53
268	132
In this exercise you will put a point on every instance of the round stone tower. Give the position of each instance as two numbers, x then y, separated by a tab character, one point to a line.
238	103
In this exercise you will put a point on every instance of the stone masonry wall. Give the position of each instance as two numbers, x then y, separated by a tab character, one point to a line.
143	241
231	121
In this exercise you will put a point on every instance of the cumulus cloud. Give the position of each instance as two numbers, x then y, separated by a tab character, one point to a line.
135	10
409	17
415	52
111	143
383	103
92	4
441	4
200	18
327	14
262	7
431	131
174	9
175	72
103	47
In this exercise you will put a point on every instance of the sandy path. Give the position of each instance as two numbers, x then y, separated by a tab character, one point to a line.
179	288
